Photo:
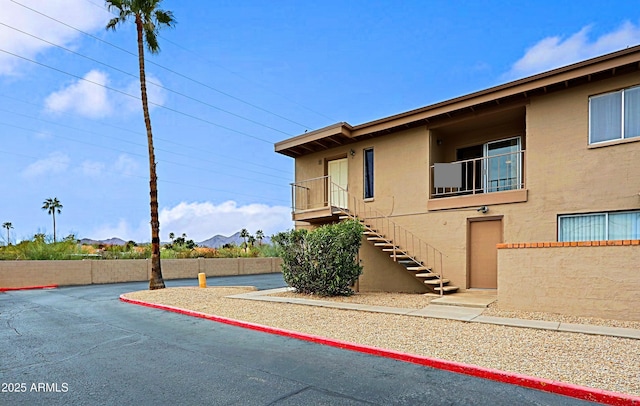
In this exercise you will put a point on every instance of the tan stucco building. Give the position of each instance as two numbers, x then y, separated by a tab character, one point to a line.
540	200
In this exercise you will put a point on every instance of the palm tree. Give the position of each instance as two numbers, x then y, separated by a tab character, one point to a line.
148	19
52	205
259	236
244	234
8	226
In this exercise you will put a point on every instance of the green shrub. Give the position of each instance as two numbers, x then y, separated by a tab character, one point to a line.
322	261
39	249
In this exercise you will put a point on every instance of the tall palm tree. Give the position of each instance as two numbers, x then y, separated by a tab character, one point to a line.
244	234
148	19
8	226
52	205
259	236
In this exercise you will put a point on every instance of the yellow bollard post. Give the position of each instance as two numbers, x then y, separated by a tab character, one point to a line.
202	279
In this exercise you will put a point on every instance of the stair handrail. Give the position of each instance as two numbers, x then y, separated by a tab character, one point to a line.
360	210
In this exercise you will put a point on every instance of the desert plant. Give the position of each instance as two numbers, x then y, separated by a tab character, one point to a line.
322	261
40	249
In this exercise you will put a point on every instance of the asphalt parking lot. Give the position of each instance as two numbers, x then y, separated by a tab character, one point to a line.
81	345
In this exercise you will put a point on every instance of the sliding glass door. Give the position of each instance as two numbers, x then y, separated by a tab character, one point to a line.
502	165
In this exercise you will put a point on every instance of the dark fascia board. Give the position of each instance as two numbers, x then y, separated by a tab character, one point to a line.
528	84
339	129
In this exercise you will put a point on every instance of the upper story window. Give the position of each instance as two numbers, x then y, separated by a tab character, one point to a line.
368	173
615	115
599	226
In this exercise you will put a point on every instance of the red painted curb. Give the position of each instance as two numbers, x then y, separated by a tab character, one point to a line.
29	288
546	385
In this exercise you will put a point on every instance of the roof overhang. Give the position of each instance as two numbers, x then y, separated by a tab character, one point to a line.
324	138
512	93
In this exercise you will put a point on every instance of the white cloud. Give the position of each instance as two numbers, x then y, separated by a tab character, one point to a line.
201	221
554	52
156	95
127	165
81	14
86	97
92	168
122	230
43	135
56	162
90	97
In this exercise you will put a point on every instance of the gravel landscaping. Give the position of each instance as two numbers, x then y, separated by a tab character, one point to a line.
608	363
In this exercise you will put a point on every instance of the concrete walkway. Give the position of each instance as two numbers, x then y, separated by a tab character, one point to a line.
451	309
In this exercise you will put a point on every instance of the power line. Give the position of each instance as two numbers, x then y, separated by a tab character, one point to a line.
162	180
149	81
155	137
144	156
250	81
164	67
138	98
136	144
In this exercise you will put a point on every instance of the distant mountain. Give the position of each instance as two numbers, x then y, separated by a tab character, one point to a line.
213	242
218	241
110	241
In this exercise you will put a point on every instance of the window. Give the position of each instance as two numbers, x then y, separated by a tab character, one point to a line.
615	115
368	173
599	226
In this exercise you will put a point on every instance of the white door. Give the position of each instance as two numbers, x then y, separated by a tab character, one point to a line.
338	182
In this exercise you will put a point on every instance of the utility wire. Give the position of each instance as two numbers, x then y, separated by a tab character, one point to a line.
143	156
250	81
138	98
161	180
199	149
149	81
164	67
136	143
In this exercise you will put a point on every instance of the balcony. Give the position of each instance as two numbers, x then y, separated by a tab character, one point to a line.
317	200
493	179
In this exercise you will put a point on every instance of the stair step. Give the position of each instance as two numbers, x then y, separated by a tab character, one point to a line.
446	289
343	217
412	267
436	282
399	256
376	239
427	275
409	262
383	244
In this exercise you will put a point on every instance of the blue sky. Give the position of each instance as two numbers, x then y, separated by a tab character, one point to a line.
235	78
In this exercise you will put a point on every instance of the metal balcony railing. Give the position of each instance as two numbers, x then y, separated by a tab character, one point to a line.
495	173
310	194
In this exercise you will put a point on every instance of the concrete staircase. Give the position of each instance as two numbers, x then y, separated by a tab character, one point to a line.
425	273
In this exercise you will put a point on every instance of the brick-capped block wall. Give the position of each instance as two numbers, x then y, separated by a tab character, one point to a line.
591	279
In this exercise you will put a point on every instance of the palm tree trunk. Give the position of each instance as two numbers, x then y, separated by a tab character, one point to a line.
54	226
156	281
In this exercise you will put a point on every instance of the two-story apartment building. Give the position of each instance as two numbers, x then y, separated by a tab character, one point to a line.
542	202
